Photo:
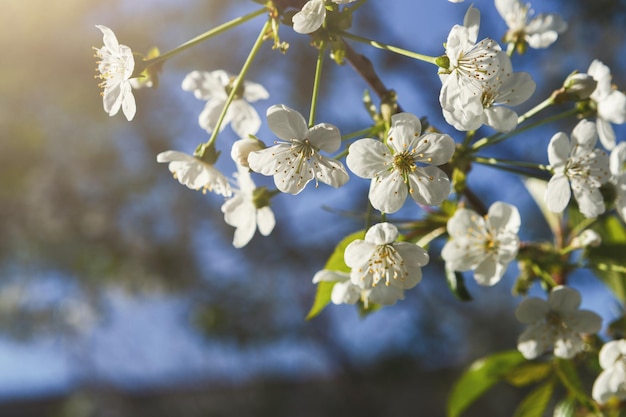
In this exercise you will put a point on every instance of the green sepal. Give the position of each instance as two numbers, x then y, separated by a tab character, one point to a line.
481	376
334	263
536	402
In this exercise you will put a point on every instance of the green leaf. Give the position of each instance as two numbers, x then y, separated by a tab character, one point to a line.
606	261
322	298
565	408
528	373
334	263
571	381
536	402
456	283
481	376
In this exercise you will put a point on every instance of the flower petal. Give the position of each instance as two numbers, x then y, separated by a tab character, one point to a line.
286	123
503	216
367	158
310	18
245	120
532	310
558	193
564	299
325	137
388	192
429	185
559	149
382	234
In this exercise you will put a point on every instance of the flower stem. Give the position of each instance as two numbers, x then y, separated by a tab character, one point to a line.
206	35
316	83
499	137
394	49
362	132
517	167
238	81
539	107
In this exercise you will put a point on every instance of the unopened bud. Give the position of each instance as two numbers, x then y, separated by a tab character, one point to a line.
580	85
242	148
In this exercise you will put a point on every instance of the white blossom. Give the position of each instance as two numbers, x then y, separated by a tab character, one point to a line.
406	164
556	323
506	88
538	32
311	17
215	86
610	103
195	173
579	167
612	380
471	65
379	259
116	66
296	159
241	211
485	245
345	292
618	177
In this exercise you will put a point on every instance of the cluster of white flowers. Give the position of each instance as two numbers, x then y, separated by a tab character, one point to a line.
381	268
478	88
480	81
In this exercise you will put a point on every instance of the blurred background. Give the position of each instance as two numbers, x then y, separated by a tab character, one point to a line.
120	291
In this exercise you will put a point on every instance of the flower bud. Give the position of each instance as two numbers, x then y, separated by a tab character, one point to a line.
580	85
241	148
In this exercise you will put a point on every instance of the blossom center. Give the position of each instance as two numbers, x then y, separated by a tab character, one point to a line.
404	162
386	265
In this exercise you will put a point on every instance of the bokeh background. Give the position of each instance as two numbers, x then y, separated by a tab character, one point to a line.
120	293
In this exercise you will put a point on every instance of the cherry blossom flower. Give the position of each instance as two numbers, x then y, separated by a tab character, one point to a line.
116	66
471	64
505	88
577	164
312	15
296	159
195	173
610	103
612	380
539	32
485	245
618	177
345	292
405	165
246	211
556	323
379	259
214	87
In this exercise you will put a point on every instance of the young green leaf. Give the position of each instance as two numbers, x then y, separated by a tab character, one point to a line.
334	263
481	376
536	402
